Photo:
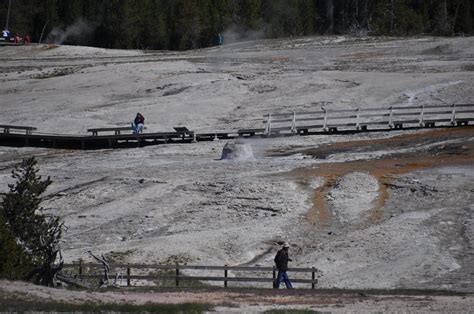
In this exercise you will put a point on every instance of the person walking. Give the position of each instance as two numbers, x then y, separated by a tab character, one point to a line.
281	261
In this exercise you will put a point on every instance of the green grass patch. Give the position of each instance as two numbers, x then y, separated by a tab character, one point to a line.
15	304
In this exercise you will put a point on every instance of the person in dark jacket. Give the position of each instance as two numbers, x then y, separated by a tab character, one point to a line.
138	123
281	261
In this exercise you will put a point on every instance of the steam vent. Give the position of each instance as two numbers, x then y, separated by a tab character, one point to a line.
237	150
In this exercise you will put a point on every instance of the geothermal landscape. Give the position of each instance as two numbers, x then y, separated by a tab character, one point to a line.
370	210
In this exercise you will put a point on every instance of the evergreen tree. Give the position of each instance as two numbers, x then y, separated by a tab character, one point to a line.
463	17
185	24
14	261
35	233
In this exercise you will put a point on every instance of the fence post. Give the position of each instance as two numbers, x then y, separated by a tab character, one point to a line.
177	275
313	276
293	123
81	261
421	115
390	120
225	276
453	115
274	276
358	119
325	127
128	276
268	128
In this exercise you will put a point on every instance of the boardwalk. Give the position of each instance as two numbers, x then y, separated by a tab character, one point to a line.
323	121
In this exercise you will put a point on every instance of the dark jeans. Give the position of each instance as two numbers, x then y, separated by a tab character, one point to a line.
283	276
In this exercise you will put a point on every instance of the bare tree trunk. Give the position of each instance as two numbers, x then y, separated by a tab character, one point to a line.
455	16
391	17
330	16
42	31
106	281
8	13
365	15
445	12
72	281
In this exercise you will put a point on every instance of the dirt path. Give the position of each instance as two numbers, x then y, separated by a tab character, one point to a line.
248	300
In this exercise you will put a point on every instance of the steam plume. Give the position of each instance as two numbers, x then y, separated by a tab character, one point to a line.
77	33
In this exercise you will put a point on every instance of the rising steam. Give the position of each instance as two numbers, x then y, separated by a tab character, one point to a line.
235	34
76	33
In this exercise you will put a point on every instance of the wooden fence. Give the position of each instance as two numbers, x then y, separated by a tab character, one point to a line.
395	117
133	273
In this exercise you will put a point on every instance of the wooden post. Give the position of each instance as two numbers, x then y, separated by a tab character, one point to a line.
421	115
358	119
325	126
274	276
268	129
177	275
129	272
313	276
225	276
293	123
453	115
390	121
81	261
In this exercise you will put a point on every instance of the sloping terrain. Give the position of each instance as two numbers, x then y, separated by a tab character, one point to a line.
371	210
30	297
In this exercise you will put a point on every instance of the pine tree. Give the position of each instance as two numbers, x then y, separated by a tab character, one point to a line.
14	261
35	233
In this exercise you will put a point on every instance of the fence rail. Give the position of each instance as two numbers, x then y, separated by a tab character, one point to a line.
89	271
394	117
323	121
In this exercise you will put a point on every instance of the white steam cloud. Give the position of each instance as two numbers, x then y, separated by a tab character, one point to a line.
235	34
78	32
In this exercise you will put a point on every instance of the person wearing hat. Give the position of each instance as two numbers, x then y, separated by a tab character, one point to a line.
281	261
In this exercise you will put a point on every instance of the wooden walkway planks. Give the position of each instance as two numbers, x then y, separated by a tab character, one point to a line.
324	121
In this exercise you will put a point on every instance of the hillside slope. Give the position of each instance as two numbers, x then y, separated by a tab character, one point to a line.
375	210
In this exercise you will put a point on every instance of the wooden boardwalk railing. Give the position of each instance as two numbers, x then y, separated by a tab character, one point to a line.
333	120
8	128
323	121
141	272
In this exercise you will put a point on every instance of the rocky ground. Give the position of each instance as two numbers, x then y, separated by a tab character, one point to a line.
370	210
